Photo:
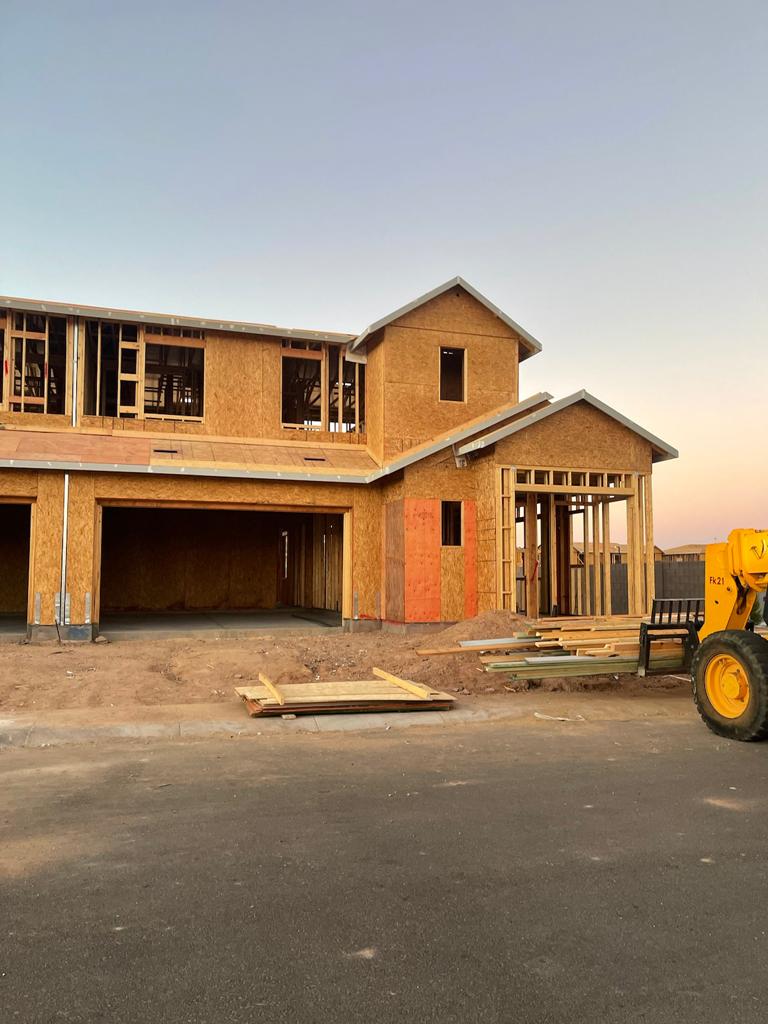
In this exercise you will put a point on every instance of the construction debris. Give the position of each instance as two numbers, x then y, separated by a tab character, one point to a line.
385	693
569	647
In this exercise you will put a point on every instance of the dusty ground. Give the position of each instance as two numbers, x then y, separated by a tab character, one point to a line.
36	677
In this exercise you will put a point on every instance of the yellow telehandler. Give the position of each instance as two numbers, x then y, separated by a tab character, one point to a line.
730	667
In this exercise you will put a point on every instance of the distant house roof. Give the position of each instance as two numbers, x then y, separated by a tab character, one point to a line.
169	319
686	549
661	450
530	345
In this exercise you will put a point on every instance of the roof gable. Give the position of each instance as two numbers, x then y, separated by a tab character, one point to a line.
661	450
529	345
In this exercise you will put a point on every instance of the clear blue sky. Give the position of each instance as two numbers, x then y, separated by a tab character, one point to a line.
599	170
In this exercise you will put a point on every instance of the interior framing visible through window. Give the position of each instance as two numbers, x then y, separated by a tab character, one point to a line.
321	389
453	371
35	362
133	371
451	524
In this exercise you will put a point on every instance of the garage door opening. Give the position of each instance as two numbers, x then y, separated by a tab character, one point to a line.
14	567
219	568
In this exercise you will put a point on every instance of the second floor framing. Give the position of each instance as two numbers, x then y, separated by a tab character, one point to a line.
431	366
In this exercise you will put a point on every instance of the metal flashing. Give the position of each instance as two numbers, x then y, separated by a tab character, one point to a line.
169	320
530	344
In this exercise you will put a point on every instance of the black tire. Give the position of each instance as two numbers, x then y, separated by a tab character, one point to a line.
752	652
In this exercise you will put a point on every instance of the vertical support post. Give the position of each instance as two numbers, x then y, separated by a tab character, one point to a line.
554	597
587	557
597	556
606	511
631	608
650	553
347	610
531	559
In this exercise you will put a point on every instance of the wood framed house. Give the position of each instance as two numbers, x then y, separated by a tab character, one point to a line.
153	463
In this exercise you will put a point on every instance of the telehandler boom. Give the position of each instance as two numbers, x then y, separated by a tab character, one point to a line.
730	666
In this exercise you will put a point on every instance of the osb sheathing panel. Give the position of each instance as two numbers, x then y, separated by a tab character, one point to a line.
485	471
374	399
183	560
451	584
438	476
81	537
14	557
470	560
422	584
394	562
47	526
413	411
579	437
18	483
34	419
456	310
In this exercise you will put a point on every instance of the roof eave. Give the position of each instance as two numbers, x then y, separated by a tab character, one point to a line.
170	320
530	346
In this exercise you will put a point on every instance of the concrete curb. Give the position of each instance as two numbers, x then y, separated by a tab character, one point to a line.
46	734
32	732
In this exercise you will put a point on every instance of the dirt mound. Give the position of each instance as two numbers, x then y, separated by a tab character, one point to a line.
481	627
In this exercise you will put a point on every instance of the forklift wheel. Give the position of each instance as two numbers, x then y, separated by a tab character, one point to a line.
730	684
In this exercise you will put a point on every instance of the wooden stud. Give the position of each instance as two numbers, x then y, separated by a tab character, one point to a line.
597	559
650	553
606	511
531	561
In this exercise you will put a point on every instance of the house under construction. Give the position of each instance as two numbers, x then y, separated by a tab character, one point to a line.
153	463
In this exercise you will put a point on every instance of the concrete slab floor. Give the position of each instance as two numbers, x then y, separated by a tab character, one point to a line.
142	625
12	627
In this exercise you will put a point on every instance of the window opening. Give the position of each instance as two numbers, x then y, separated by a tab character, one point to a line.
451	523
452	375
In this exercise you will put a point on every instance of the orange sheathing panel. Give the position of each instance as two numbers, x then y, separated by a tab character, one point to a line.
422	559
470	559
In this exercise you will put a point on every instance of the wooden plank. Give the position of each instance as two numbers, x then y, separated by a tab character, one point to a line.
272	688
405	684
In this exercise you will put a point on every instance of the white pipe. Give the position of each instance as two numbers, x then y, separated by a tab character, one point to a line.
64	536
65	521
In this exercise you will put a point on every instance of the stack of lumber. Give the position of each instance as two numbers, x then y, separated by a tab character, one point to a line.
384	693
577	646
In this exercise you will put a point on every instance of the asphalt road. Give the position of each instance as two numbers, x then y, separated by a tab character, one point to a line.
540	873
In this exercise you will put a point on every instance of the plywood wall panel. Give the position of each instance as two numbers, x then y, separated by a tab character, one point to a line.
579	437
451	584
394	562
46	541
470	560
422	560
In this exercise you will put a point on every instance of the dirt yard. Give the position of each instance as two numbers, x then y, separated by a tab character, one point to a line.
128	673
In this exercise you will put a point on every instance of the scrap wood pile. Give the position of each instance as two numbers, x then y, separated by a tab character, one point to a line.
384	693
573	646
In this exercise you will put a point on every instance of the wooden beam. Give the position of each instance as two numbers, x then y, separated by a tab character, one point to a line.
266	681
404	684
